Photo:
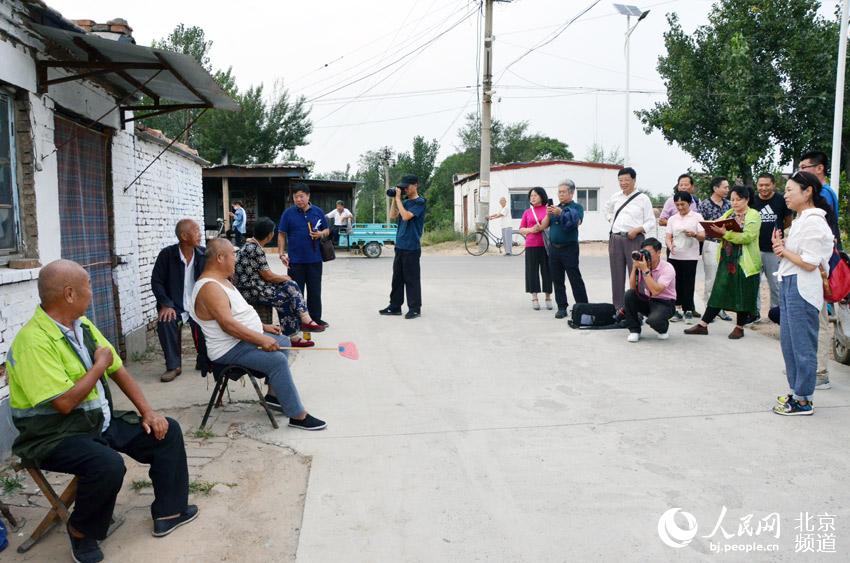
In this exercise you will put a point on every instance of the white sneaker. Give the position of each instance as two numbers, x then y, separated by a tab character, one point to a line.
663	335
824	385
633	337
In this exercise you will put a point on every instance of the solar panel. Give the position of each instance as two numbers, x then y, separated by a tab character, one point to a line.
627	9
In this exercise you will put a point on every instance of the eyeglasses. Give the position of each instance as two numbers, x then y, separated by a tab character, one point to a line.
807	166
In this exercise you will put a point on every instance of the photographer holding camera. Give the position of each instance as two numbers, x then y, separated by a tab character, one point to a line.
408	249
652	291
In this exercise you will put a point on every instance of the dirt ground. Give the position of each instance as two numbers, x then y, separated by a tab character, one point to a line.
250	492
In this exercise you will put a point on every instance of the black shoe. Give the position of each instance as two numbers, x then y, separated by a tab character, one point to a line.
753	319
561	314
322	323
413	315
390	311
85	550
273	403
163	527
310	422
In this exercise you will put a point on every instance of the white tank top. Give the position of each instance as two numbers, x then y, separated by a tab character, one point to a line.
219	342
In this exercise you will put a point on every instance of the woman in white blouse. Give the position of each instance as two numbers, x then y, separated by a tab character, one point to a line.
808	246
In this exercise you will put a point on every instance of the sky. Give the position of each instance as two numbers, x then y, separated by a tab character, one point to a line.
379	72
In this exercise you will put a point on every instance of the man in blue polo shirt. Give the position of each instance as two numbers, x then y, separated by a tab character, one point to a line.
300	228
411	215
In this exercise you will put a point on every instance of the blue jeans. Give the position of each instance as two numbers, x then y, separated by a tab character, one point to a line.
276	367
799	339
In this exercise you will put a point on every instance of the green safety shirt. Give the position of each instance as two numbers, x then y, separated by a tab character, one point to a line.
41	365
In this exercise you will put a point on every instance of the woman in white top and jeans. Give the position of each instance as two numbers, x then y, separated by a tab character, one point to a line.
809	245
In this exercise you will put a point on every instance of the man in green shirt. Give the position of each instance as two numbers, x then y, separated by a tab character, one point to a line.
61	404
563	221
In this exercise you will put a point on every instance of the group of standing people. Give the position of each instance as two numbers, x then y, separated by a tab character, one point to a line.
789	237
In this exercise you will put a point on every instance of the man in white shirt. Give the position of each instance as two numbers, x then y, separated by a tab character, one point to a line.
631	216
504	216
341	219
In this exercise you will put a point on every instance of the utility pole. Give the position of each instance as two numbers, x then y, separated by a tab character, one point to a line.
386	159
486	107
838	117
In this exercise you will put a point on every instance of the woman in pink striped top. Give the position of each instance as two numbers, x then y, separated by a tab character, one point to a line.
536	258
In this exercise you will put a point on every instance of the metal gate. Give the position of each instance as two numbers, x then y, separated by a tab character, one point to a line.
84	222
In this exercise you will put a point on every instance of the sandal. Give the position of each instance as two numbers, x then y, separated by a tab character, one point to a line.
535	304
549	304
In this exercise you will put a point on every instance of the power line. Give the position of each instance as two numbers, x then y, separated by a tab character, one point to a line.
341	75
398	118
395	61
550	39
348	53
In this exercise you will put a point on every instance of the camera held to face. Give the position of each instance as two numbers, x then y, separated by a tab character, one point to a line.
642	254
391	192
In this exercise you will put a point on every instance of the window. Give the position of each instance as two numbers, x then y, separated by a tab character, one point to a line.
8	186
588	198
519	203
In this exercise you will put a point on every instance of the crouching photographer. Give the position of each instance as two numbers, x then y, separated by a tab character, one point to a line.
652	291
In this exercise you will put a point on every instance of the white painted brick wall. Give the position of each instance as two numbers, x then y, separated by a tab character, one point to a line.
145	216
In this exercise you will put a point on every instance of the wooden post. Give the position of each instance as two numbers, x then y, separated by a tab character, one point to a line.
225	200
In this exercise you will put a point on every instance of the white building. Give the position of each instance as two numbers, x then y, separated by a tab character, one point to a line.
595	183
69	153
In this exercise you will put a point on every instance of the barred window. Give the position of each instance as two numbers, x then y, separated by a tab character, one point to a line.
9	220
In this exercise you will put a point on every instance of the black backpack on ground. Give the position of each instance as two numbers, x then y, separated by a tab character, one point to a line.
593	315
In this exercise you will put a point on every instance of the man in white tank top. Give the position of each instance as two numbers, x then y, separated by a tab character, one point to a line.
235	335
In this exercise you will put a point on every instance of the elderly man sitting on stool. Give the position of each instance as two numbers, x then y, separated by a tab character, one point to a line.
173	277
235	335
58	367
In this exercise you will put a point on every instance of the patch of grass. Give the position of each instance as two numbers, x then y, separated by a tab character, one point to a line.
140	484
203	433
10	484
439	236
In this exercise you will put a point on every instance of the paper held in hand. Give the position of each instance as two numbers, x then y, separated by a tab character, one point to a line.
711	227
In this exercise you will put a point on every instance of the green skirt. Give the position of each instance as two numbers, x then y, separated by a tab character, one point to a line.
733	290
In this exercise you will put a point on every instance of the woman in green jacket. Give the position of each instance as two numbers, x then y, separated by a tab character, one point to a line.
737	283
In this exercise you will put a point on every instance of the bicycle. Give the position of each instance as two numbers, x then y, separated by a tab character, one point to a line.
478	242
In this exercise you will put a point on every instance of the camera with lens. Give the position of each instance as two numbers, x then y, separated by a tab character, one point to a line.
391	192
642	254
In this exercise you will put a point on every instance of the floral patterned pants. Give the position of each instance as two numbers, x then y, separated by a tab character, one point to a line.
290	305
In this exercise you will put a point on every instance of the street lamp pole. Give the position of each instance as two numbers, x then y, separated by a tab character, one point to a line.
838	115
629	11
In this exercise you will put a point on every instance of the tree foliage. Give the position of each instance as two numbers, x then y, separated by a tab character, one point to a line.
597	153
752	86
262	129
511	142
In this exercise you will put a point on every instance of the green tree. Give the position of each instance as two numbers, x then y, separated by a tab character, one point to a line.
440	194
371	196
597	153
512	142
419	161
755	78
260	131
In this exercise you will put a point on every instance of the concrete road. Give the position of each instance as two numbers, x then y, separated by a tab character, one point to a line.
486	431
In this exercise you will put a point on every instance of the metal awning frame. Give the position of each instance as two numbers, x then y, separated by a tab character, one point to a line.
99	65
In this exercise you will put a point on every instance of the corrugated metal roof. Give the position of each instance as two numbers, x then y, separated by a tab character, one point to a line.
171	76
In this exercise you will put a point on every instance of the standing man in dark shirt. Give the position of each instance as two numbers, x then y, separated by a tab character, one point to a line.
774	215
172	280
563	220
300	228
408	250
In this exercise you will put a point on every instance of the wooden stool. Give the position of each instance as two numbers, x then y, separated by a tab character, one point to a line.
60	507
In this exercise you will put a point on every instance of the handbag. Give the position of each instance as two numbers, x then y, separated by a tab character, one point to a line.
326	246
836	284
546	244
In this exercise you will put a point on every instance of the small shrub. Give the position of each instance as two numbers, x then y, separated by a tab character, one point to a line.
10	484
438	236
140	484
